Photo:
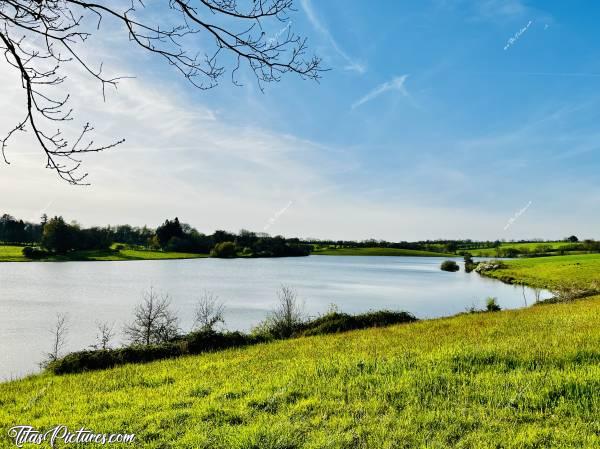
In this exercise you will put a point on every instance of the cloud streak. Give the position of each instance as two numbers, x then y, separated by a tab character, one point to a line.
351	64
276	216
517	215
395	84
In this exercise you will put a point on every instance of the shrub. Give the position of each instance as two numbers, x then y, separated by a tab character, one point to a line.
449	265
34	253
224	250
491	305
470	265
287	317
335	322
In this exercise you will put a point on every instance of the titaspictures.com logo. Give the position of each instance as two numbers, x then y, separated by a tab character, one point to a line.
22	435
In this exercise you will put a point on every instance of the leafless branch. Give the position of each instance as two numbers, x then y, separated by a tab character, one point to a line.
37	37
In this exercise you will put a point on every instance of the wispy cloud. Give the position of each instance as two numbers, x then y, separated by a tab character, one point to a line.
517	35
396	84
517	215
276	216
351	63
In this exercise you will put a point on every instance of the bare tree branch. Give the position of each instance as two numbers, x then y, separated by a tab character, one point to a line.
37	37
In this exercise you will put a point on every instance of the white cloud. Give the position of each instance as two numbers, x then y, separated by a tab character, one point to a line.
351	64
395	84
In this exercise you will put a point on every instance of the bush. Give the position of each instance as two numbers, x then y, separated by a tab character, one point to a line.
194	343
287	318
491	305
77	362
224	250
34	253
335	322
449	265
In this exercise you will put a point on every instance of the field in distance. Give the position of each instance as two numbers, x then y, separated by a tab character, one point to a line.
379	252
581	270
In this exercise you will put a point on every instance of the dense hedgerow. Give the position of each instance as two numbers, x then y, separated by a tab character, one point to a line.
340	322
208	341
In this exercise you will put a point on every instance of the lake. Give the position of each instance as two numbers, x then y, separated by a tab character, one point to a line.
31	294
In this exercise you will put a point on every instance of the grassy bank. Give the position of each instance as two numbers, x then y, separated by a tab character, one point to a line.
524	378
549	272
379	252
14	254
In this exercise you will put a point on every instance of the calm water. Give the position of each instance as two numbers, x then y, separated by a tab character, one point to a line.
31	294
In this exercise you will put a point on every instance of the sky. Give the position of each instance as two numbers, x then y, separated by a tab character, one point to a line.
437	119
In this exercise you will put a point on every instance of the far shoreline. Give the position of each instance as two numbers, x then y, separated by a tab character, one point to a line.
13	253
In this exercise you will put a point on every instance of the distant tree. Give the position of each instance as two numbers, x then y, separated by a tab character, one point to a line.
451	247
224	250
246	238
154	322
223	236
58	236
168	230
573	239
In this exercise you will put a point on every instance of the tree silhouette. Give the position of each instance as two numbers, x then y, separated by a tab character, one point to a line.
38	37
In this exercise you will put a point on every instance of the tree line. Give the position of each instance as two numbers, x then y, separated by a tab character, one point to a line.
56	236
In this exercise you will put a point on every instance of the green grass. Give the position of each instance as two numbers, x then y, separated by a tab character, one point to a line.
548	272
525	378
14	254
378	252
531	246
10	253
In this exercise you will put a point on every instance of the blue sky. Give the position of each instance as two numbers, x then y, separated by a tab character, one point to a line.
431	123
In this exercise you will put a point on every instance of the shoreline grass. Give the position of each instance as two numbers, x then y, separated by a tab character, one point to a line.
550	272
512	379
13	253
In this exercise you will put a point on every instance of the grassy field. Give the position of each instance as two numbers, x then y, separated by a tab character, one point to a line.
531	246
525	378
13	254
378	252
548	272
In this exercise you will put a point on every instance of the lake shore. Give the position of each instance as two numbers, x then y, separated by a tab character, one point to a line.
13	253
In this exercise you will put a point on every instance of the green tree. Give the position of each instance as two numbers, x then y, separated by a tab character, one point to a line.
168	230
224	250
58	236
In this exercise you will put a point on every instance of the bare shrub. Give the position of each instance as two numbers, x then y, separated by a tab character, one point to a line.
288	315
104	336
59	338
154	321
210	311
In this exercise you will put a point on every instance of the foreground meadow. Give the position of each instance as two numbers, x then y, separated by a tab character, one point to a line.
524	378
